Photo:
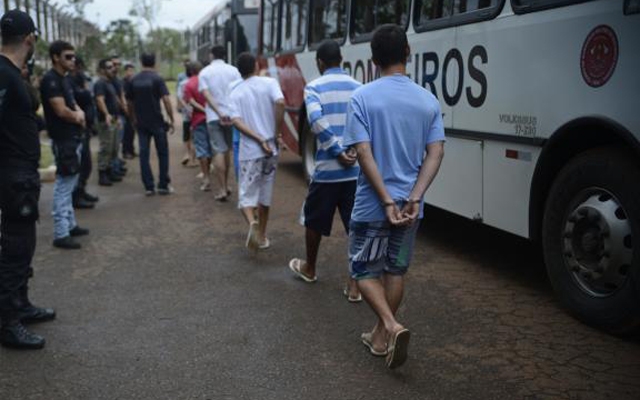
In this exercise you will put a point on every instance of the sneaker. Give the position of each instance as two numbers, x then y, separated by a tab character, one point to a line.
200	175
66	242
77	231
150	193
165	191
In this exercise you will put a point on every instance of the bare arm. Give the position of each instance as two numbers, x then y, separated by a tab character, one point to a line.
166	100
211	102
428	171
196	105
371	172
279	118
70	115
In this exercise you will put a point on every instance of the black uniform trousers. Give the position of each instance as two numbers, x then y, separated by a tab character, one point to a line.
19	195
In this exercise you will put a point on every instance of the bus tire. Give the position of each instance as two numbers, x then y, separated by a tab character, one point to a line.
591	239
307	151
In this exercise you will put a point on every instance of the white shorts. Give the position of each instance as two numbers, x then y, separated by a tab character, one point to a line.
255	184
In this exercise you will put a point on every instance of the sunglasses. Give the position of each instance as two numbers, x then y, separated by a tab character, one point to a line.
109	67
69	57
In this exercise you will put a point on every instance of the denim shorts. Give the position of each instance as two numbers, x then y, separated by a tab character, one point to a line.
221	137
378	247
202	141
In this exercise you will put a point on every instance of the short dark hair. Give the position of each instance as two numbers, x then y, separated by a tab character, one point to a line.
329	53
102	64
129	66
13	40
148	60
246	64
219	52
56	48
389	45
193	68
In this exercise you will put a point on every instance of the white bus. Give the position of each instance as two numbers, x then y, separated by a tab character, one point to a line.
540	100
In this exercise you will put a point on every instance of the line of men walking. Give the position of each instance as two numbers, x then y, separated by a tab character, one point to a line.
373	164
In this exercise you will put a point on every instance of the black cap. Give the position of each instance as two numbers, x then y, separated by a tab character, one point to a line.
16	23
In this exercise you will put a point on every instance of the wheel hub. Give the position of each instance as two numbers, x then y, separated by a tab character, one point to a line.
597	244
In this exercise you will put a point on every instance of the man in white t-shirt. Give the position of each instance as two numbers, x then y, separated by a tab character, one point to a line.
257	111
214	82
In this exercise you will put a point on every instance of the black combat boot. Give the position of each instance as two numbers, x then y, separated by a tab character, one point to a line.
104	179
79	202
113	176
89	197
14	334
27	313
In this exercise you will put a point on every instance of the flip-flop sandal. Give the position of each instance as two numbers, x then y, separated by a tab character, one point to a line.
366	340
358	299
294	266
265	245
221	198
397	349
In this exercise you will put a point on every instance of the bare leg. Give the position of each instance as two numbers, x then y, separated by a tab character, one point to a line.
384	297
249	214
227	169
263	218
312	241
220	172
204	168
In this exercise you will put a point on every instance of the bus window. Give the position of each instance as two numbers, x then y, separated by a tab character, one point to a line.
522	6
432	14
269	26
366	15
328	21
294	13
246	33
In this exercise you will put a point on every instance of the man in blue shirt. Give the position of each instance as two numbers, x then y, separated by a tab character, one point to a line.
333	184
396	128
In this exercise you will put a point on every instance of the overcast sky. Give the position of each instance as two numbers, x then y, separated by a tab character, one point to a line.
178	14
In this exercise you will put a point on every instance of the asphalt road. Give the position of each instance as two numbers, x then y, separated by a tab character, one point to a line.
164	302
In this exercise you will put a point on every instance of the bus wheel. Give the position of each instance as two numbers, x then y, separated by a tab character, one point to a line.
591	239
308	151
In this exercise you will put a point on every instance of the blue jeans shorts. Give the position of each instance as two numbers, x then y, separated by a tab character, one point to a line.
378	247
221	137
202	141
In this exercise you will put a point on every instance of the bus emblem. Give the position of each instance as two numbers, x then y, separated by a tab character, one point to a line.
599	56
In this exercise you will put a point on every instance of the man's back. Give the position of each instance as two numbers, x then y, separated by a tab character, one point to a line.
327	99
254	100
19	140
145	90
216	78
399	119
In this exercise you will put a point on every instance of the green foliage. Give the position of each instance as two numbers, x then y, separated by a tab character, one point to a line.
168	44
79	5
122	38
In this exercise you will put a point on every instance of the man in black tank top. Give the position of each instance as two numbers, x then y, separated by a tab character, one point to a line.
19	185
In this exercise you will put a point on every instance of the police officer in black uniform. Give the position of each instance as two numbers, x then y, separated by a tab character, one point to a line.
19	184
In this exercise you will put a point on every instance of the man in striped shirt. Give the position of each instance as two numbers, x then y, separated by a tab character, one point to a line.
333	183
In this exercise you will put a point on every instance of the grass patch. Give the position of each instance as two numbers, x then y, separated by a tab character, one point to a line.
46	156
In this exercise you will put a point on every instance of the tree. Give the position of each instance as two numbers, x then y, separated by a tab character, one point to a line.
79	5
122	39
168	44
148	10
